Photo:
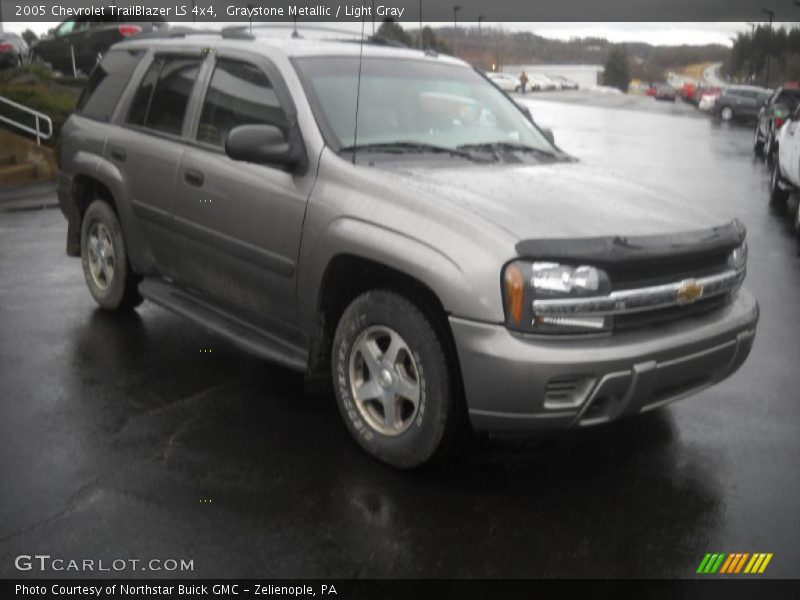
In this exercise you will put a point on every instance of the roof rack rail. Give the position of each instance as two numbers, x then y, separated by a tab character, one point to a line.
181	32
295	28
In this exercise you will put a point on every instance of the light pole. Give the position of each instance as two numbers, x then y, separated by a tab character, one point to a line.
456	8
769	42
480	20
733	58
421	43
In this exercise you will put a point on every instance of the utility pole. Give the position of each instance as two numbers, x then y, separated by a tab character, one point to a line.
769	42
456	8
480	20
421	43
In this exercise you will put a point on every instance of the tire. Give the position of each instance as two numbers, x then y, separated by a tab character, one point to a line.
104	256
378	324
726	113
758	143
777	195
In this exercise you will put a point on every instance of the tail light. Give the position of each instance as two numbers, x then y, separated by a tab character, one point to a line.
128	30
4	47
778	121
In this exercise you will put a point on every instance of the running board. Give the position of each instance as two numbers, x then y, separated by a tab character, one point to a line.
247	337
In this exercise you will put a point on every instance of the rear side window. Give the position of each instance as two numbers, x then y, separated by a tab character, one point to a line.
106	84
163	95
239	94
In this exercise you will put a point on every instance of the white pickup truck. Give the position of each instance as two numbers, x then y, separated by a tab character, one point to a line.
786	166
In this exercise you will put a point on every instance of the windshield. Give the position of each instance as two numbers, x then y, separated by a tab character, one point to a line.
413	101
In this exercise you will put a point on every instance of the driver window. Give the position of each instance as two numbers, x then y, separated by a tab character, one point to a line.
239	94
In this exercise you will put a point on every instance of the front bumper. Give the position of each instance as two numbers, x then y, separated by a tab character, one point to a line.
517	382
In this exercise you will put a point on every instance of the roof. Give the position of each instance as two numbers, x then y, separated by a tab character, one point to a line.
312	42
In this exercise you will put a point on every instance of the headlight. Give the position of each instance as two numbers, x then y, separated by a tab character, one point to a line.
524	281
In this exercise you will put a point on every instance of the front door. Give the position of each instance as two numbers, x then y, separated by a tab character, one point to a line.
240	223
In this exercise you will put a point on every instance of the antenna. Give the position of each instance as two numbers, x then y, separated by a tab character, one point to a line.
358	87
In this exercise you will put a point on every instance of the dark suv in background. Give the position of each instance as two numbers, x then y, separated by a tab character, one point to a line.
741	102
771	117
89	40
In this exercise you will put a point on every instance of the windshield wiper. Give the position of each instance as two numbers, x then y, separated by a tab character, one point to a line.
509	147
411	147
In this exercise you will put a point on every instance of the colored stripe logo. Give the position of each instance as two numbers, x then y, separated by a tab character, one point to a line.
734	563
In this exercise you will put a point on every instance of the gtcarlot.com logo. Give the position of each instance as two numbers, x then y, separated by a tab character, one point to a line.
45	562
735	563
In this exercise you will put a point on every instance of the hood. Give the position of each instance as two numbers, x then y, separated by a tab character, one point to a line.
554	200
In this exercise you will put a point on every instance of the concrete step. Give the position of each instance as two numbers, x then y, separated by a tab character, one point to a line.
17	174
7	160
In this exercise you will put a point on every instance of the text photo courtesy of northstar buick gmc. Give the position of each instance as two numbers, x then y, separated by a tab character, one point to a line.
439	266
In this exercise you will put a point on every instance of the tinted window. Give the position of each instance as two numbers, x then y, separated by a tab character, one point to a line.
749	94
163	95
239	94
106	84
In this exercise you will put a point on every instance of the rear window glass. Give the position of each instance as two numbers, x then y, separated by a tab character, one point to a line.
106	84
163	95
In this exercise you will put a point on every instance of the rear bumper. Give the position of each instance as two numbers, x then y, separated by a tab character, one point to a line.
525	383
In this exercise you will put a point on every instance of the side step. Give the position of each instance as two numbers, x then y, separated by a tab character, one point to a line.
242	334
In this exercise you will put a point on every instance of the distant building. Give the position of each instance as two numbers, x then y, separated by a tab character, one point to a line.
583	75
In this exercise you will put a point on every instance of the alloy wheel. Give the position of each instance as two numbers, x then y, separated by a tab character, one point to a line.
384	380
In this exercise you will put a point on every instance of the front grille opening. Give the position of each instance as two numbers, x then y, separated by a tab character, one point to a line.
566	392
643	274
650	318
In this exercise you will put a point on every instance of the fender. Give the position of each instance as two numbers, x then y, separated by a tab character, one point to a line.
399	251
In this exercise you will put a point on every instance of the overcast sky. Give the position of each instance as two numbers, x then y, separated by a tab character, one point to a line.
651	32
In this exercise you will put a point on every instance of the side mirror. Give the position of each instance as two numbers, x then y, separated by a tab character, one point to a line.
264	144
548	133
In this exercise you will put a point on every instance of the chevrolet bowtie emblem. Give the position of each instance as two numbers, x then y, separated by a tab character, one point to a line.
689	291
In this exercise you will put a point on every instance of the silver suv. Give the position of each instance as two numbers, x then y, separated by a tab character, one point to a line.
390	223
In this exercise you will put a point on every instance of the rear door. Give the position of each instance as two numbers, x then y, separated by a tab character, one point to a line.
149	144
240	223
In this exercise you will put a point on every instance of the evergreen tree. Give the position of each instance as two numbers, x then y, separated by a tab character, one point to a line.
617	71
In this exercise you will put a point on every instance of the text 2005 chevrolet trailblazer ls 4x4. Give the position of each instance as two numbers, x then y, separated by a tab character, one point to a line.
443	265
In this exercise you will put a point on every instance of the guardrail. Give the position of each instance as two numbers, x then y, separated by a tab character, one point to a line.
39	120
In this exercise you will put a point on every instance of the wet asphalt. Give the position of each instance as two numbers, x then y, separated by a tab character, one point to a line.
120	438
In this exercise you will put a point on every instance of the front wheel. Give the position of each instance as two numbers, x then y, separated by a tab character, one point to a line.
104	256
726	114
777	195
394	385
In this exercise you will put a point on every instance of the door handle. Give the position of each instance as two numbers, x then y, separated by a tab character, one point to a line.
193	177
118	154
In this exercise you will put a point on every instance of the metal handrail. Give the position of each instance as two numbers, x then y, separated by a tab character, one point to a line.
39	118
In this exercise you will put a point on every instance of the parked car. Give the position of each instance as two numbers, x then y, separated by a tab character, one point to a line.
88	40
13	50
771	117
708	100
741	102
563	82
539	82
438	266
651	91
665	92
505	81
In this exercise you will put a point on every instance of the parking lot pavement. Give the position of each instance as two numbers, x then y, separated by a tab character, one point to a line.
119	438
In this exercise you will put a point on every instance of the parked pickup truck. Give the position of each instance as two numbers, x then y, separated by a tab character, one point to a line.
397	228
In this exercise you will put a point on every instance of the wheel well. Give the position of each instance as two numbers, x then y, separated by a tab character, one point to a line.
85	190
347	277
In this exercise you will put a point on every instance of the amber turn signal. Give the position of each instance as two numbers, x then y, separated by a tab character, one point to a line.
515	292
